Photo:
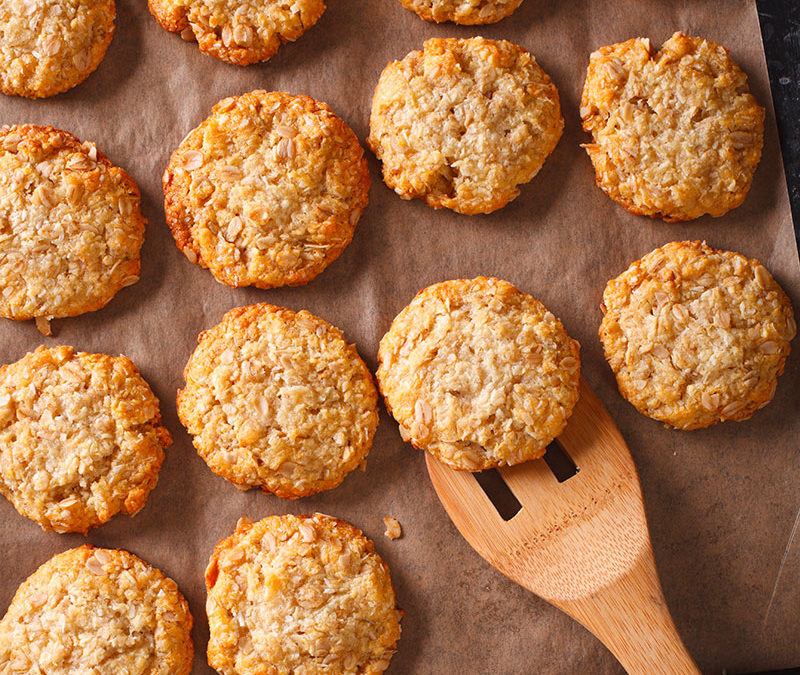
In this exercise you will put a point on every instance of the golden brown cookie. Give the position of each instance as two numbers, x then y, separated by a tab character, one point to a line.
695	335
462	123
675	133
238	31
267	191
70	225
49	46
465	12
279	400
478	373
293	595
80	438
100	611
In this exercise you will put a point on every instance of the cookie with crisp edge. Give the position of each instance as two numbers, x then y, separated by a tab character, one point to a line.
279	400
324	574
478	373
696	335
97	610
463	122
81	438
236	32
676	134
464	12
60	50
73	223
267	191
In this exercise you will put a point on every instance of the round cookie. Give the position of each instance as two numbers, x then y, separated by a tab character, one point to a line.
478	373
462	123
464	12
675	133
695	335
50	46
279	400
70	225
100	611
299	594
80	438
267	191
237	31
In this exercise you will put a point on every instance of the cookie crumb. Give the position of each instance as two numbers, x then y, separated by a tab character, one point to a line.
393	528
43	326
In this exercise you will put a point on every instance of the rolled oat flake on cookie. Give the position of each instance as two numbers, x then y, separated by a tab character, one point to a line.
300	595
676	133
50	46
696	335
478	373
267	191
70	222
238	31
100	611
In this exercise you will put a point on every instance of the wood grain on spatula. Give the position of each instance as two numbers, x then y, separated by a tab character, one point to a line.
582	544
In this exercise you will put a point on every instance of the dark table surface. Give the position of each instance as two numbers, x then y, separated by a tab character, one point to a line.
780	29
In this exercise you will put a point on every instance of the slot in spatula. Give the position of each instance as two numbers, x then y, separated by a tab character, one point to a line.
581	544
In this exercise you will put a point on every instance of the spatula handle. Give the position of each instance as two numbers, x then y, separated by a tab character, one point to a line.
632	619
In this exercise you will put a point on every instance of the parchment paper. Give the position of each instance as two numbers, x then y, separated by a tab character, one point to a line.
721	502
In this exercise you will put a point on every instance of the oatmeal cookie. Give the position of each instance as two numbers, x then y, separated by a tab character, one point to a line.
238	31
299	594
695	335
267	191
478	373
100	611
80	438
49	46
70	225
465	12
462	123
279	400
676	134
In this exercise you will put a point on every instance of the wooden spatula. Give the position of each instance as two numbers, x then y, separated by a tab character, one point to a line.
582	544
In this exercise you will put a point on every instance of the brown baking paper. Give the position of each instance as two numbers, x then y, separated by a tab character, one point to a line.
721	502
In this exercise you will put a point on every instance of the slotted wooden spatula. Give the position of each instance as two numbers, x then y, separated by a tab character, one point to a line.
582	544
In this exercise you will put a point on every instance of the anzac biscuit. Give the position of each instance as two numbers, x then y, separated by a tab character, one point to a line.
277	399
49	46
292	595
238	31
465	12
70	225
267	191
676	134
695	335
80	438
100	611
462	123
478	373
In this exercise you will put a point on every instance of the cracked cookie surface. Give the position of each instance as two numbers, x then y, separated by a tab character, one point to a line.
267	191
478	373
300	594
462	123
81	438
676	134
464	12
100	611
695	335
70	225
50	46
235	31
279	400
